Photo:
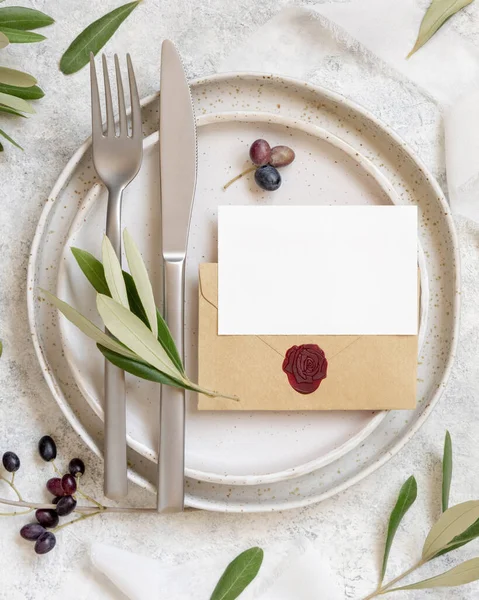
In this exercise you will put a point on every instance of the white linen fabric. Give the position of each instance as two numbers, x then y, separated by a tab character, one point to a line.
295	572
342	44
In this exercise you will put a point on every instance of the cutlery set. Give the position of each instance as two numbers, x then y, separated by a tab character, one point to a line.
117	158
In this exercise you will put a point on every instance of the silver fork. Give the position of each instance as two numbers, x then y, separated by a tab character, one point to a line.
117	160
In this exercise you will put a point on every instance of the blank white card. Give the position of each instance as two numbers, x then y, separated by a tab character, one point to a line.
317	270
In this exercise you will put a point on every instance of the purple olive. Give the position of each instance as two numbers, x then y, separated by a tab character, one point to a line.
281	156
260	152
66	505
54	486
45	543
69	484
47	517
32	531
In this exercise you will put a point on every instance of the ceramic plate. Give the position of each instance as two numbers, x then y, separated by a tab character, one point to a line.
274	446
371	140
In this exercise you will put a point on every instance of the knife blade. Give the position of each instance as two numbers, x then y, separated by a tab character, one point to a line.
178	166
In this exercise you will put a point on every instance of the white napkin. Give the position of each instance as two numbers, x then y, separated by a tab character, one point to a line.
297	573
366	42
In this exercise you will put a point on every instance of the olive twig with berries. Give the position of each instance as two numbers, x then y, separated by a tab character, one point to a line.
64	488
266	161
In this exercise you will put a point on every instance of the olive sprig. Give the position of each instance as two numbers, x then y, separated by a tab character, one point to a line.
65	489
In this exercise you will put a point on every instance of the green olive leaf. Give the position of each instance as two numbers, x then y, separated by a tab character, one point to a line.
92	269
238	575
407	497
132	332
17	17
471	533
7	137
30	93
465	573
436	15
142	282
141	369
18	36
93	38
16	78
446	471
11	111
16	103
94	272
452	523
87	327
4	41
113	273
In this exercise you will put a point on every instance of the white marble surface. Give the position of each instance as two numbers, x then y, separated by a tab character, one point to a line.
348	529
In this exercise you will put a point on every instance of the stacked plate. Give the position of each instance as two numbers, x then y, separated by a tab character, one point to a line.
240	461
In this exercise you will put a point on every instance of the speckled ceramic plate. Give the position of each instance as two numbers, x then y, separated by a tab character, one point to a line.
275	446
373	141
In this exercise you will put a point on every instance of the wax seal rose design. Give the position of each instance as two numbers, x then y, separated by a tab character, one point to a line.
306	367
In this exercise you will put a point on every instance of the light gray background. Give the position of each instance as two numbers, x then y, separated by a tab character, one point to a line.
348	529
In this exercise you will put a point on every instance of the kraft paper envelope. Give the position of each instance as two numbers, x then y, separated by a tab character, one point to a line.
364	372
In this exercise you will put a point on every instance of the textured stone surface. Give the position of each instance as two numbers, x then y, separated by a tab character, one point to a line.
349	528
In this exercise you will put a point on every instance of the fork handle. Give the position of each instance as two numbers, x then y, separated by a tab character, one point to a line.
115	474
171	452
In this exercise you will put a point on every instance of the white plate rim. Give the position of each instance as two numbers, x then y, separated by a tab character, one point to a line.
222	506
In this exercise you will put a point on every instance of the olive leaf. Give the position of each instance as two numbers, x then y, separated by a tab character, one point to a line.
16	103
141	369
113	273
470	534
94	272
140	276
18	36
4	41
238	575
87	327
465	573
12	141
93	38
11	111
407	497
453	522
446	471
17	17
16	78
29	93
92	269
436	15
132	332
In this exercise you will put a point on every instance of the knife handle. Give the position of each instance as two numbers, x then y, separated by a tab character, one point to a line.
171	451
115	484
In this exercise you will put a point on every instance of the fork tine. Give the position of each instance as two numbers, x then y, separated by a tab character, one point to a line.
136	131
95	99
121	99
110	121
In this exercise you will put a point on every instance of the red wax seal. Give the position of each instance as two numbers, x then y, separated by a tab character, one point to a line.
305	367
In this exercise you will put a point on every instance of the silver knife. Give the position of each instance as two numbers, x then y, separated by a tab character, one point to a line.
178	159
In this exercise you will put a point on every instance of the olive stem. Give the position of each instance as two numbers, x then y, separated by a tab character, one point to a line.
15	513
82	518
231	181
89	498
14	487
57	471
79	509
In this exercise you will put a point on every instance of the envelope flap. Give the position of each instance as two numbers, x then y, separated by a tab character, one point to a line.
209	283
